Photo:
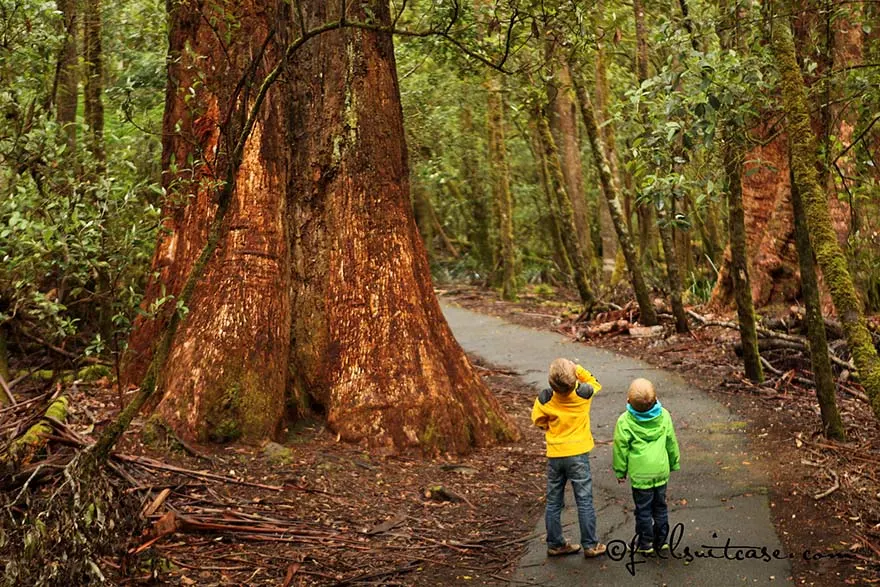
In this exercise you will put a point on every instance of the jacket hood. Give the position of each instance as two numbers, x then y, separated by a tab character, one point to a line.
648	423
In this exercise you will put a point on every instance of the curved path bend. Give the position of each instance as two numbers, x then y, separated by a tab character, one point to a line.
719	496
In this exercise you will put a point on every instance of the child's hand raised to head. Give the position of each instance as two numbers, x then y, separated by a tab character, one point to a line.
585	376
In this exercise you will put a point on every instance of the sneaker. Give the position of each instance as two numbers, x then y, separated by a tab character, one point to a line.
563	550
645	551
595	551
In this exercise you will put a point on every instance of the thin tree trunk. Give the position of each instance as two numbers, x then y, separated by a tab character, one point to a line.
802	142
562	117
832	425
569	233
644	211
474	188
67	90
554	215
501	184
732	153
611	190
93	89
603	92
371	348
673	276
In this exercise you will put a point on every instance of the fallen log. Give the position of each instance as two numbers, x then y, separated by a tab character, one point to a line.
23	448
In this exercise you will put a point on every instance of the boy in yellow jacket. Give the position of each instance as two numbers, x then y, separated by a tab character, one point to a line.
563	412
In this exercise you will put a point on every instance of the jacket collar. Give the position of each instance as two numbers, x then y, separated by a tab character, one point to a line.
647	414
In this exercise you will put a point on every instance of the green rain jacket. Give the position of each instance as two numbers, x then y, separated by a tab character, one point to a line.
645	447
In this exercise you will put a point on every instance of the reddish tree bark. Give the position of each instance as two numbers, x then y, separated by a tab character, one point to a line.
227	369
370	345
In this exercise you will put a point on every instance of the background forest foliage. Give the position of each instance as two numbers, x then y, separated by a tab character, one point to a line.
79	206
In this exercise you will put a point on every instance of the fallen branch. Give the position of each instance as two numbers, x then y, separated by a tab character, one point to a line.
832	489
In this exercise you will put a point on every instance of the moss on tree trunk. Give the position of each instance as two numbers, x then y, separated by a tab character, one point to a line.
831	259
832	425
732	153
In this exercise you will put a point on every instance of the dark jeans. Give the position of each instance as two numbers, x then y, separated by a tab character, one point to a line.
577	470
652	517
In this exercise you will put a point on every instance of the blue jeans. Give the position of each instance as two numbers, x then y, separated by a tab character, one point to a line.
652	517
577	470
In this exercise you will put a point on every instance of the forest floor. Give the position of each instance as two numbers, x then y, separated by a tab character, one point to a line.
314	511
783	426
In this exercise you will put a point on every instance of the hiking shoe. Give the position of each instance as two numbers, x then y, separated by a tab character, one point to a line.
563	550
595	551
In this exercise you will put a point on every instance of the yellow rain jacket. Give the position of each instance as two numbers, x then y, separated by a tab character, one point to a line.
565	418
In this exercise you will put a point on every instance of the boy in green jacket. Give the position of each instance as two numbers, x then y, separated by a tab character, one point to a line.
646	450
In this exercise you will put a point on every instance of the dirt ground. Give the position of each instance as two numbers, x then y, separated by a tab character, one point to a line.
783	421
315	511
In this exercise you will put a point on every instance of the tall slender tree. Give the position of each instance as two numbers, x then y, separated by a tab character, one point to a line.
93	86
611	190
832	261
501	184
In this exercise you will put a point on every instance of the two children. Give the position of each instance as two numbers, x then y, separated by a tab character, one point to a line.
645	450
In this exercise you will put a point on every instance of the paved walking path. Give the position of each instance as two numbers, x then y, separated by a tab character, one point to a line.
719	495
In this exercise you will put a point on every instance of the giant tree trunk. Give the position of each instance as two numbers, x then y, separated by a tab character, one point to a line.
802	142
832	425
562	117
611	190
93	89
370	346
501	184
226	371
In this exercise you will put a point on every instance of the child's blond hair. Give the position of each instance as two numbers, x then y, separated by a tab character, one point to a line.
563	376
641	395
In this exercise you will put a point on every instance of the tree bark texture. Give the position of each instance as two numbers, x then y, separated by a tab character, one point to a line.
569	229
370	346
93	87
832	425
501	184
226	372
766	195
802	143
611	190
